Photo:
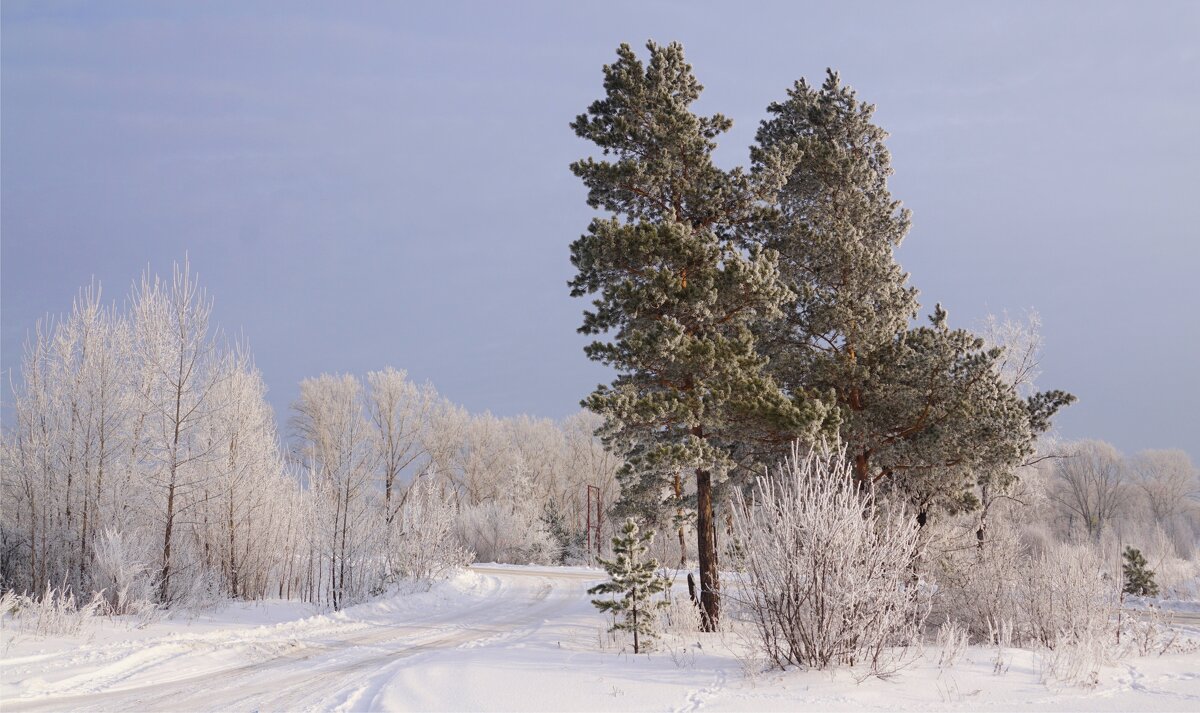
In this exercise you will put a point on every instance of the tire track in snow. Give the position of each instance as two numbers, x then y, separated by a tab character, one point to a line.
342	673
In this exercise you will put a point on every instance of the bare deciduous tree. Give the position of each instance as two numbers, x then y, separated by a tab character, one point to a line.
179	363
338	450
1168	482
1091	485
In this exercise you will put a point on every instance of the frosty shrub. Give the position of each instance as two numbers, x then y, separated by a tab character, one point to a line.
503	532
1001	636
56	613
196	589
680	616
1069	600
952	640
1076	661
426	547
829	579
1149	632
121	572
1061	600
1068	596
977	583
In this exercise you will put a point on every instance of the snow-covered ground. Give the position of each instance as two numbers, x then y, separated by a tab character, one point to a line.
505	638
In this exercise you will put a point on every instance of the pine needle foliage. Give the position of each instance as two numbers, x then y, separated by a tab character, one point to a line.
636	580
924	409
676	295
1139	579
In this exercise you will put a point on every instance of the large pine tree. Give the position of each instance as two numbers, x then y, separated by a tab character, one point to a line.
924	409
678	293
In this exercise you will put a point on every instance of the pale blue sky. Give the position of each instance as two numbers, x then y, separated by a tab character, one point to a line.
370	184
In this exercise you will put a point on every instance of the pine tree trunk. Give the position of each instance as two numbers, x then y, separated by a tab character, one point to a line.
679	514
710	583
635	630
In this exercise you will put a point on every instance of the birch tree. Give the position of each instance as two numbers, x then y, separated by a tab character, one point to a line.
338	451
179	362
1091	485
399	411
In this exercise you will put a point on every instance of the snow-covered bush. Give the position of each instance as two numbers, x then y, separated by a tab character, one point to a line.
55	613
829	572
1068	595
121	572
977	583
498	532
509	529
1069	600
952	641
426	547
680	616
1076	660
1149	632
198	591
1001	636
1060	599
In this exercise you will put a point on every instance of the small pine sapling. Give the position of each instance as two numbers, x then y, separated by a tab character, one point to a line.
1139	579
635	579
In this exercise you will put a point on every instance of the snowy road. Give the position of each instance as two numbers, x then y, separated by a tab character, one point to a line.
501	638
339	663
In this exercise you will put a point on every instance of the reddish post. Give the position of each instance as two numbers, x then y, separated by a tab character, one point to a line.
593	541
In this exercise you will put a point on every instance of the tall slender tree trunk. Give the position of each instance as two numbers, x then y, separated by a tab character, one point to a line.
33	558
342	568
83	535
233	563
333	550
710	582
97	507
164	584
679	514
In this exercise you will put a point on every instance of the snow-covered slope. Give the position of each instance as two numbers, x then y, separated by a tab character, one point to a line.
504	638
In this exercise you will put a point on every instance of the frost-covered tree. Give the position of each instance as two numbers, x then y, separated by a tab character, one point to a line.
245	473
1091	486
1169	489
509	528
636	580
926	410
1168	482
676	294
425	546
399	410
1021	339
179	368
337	448
142	457
63	454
